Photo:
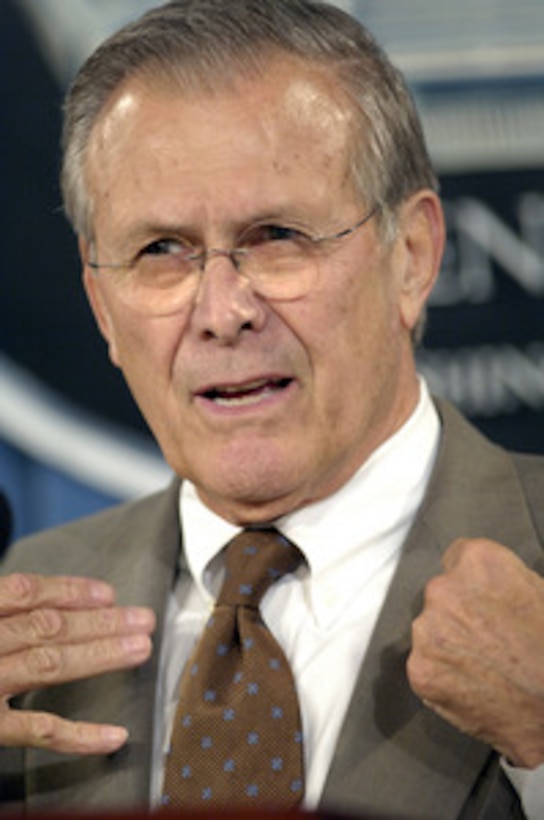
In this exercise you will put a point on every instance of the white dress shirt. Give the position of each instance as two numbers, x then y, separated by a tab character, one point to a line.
324	615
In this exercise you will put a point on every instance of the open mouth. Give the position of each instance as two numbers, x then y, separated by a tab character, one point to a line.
246	394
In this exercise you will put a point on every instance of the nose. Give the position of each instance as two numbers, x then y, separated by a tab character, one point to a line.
235	256
225	305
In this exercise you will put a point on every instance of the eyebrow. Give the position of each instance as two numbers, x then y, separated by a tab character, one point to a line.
138	233
148	229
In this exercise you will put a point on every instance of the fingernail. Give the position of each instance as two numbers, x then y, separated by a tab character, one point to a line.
114	736
135	644
100	592
139	618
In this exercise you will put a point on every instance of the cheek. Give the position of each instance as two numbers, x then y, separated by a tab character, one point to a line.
356	314
356	350
146	350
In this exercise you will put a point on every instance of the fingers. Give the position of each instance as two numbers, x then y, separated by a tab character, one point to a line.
48	665
23	592
46	731
59	647
52	626
60	629
477	554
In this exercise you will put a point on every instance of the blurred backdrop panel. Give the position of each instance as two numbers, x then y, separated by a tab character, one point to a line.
71	438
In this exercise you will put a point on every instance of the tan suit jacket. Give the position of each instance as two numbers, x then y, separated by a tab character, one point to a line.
394	756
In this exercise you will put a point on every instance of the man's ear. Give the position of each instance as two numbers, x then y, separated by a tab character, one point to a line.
97	301
421	236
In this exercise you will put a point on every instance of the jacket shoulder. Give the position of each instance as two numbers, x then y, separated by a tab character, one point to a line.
69	547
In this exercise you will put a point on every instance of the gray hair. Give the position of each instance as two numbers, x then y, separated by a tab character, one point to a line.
203	44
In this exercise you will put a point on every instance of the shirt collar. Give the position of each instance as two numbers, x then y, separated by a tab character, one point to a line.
204	536
347	536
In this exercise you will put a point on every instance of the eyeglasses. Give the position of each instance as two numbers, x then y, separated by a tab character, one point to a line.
278	262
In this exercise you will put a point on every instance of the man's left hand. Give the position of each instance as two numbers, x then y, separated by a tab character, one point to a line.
478	649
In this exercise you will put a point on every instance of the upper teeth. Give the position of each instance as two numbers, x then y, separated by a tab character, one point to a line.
246	388
251	392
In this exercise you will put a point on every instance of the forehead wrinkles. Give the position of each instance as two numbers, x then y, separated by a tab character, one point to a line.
296	118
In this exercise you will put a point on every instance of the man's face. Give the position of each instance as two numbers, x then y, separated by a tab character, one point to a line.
266	405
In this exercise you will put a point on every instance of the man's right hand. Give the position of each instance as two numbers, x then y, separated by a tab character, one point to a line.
59	629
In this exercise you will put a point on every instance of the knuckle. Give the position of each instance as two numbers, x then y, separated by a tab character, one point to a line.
72	591
419	631
45	624
475	553
20	588
419	676
107	621
44	663
44	729
435	590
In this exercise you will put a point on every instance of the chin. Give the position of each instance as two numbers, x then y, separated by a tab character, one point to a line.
262	477
252	496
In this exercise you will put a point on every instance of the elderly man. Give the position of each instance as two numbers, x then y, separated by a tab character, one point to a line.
259	231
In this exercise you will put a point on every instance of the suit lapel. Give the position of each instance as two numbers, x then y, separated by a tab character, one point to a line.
138	556
394	755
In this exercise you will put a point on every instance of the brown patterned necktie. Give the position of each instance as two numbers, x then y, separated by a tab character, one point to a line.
237	737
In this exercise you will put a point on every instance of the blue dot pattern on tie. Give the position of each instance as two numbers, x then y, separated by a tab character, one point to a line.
237	739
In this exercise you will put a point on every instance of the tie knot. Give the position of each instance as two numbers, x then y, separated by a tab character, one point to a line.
255	559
